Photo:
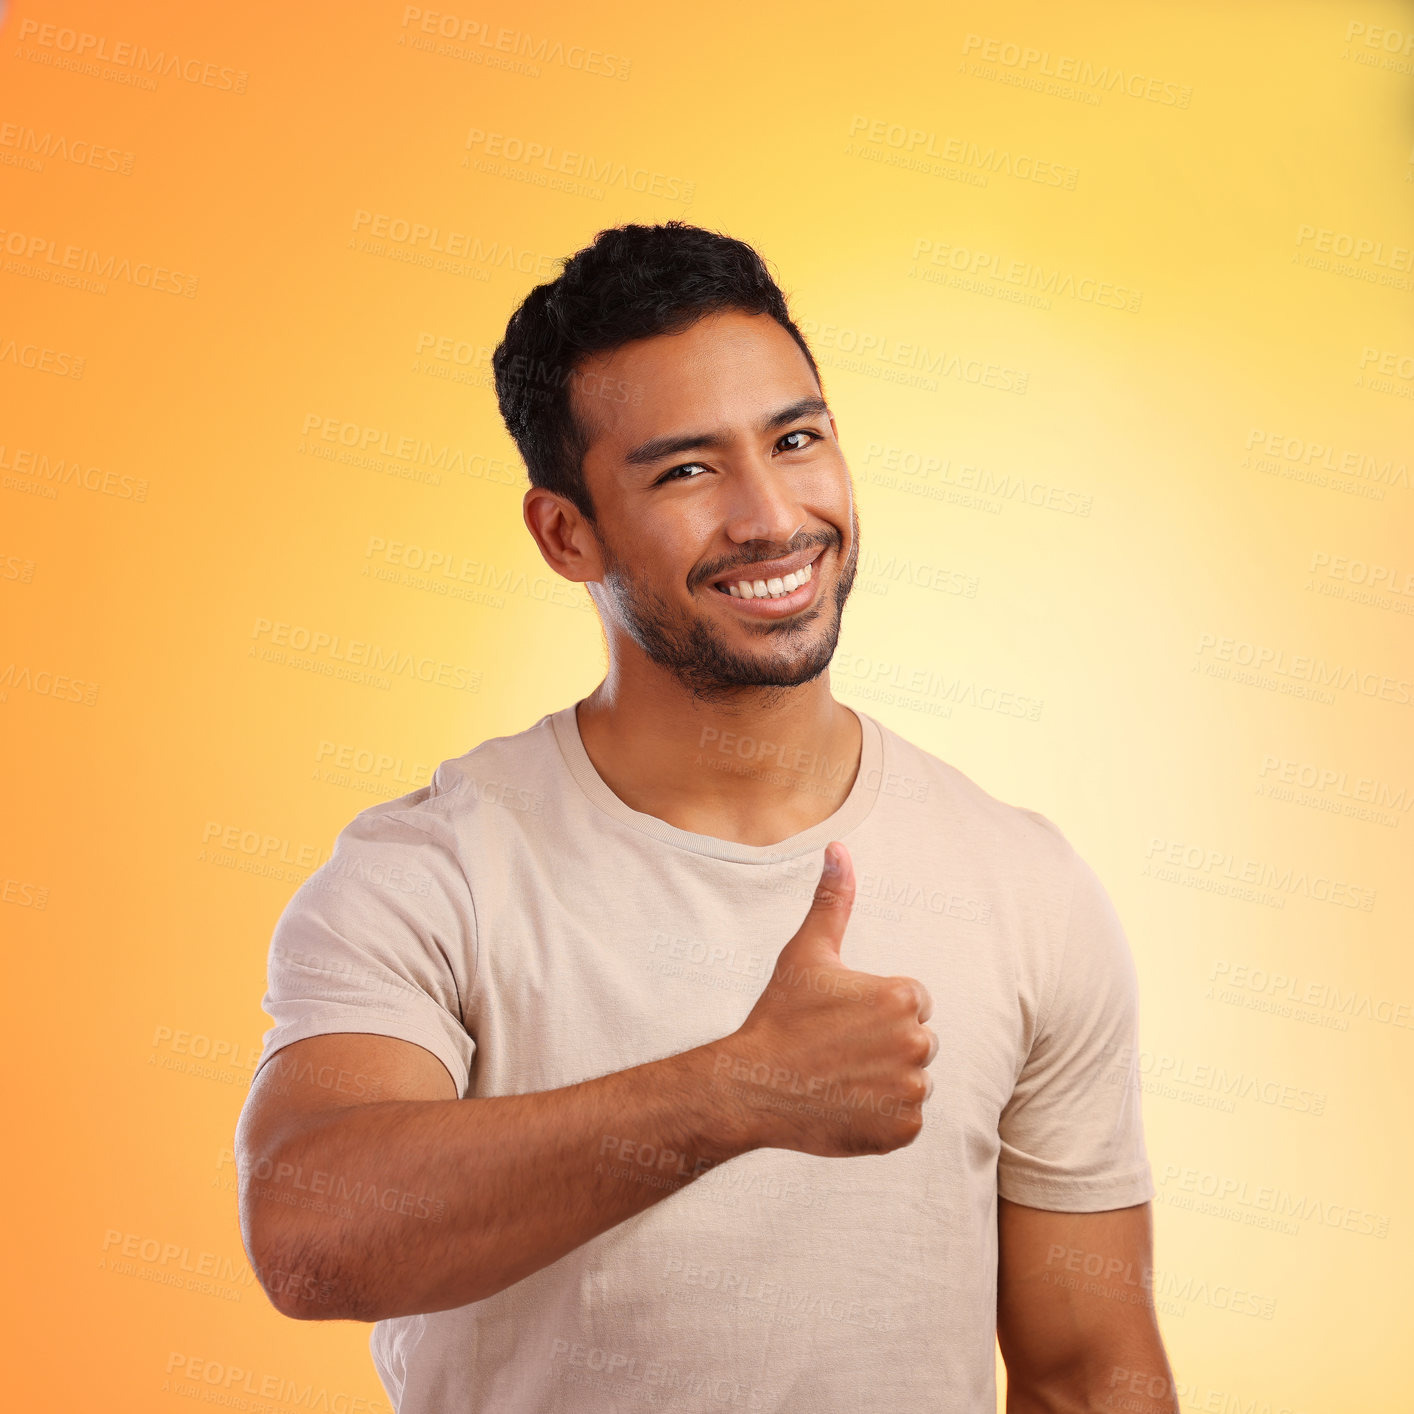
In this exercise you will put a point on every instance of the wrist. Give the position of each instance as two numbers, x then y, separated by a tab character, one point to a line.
728	1123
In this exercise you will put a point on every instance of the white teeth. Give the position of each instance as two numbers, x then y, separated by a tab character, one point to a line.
770	588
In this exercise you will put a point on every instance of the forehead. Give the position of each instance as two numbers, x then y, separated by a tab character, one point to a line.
726	369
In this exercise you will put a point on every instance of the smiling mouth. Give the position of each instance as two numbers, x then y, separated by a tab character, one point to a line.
773	588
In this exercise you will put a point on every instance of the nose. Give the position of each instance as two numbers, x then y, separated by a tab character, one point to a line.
763	506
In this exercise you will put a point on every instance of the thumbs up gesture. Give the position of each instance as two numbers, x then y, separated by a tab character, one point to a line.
830	1061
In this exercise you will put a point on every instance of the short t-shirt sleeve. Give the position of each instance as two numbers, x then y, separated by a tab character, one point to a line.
1072	1134
380	938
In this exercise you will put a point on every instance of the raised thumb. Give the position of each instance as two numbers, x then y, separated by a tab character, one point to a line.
834	897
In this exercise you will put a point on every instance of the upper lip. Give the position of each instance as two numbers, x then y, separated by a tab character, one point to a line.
769	569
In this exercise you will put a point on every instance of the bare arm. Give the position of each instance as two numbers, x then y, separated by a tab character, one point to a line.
421	1201
368	1189
1075	1312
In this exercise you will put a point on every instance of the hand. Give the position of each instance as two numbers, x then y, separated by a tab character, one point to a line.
830	1061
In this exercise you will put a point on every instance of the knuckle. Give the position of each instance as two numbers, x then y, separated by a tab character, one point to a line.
897	992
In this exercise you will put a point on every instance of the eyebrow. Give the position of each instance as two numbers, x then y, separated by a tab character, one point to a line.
656	448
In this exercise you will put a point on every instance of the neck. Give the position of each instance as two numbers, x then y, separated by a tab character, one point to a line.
754	766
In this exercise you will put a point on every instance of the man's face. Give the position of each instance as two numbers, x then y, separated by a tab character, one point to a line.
713	455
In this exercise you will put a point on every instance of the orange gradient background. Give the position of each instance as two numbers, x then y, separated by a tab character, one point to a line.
1113	306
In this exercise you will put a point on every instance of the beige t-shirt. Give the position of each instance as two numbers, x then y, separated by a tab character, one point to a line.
521	922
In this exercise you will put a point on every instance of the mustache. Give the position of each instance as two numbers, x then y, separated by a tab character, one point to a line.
823	542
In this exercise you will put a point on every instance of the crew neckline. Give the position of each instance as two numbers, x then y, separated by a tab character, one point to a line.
851	813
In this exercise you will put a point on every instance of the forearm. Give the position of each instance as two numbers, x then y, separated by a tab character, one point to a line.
399	1207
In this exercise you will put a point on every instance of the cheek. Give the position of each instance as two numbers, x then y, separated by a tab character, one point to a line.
674	547
829	487
694	524
662	552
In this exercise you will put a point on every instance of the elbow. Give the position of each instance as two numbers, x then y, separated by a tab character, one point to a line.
295	1273
304	1290
282	1301
293	1296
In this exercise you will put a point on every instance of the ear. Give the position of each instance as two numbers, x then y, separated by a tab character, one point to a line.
566	540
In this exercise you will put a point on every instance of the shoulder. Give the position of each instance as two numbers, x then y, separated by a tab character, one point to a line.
513	772
422	850
974	818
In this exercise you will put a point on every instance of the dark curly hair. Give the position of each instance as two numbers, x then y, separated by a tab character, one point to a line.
631	282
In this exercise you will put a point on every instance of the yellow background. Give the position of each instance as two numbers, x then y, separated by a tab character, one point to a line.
1238	442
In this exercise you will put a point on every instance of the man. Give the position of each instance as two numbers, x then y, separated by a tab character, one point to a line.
706	1045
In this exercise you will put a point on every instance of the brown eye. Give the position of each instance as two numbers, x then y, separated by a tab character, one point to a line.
672	475
799	432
